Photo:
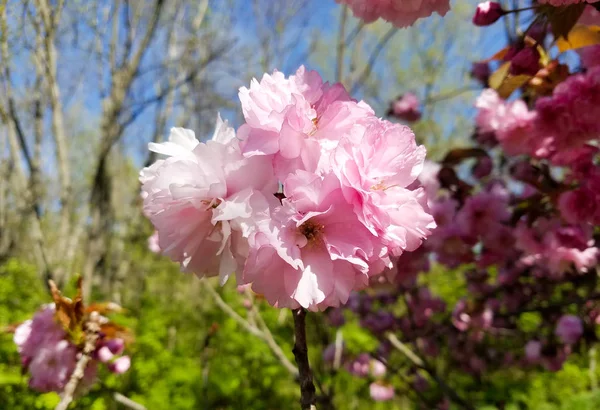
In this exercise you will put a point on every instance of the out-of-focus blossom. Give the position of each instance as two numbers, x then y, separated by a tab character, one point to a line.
121	365
590	16
569	329
406	107
381	392
49	356
533	351
153	243
558	3
512	122
400	13
570	116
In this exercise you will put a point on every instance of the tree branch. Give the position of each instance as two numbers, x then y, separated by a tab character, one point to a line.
364	76
308	396
341	45
92	332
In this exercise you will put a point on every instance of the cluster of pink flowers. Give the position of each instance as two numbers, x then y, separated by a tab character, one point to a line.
50	357
401	13
557	125
306	202
558	3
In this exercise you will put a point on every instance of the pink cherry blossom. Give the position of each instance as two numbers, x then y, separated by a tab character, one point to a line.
381	392
299	120
375	164
512	123
52	366
590	56
533	351
579	205
360	366
558	3
41	330
400	13
377	369
484	211
314	251
590	16
406	108
202	200
569	329
557	247
562	117
120	365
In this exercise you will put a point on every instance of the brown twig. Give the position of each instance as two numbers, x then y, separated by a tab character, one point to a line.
308	396
92	331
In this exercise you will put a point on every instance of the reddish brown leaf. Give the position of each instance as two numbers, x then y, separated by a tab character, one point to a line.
69	312
111	330
499	56
563	19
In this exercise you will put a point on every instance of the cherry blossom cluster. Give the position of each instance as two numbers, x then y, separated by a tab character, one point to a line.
517	218
49	355
306	202
401	13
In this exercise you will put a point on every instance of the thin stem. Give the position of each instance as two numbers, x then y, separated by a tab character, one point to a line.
420	364
363	77
92	331
263	333
308	396
341	46
127	402
354	33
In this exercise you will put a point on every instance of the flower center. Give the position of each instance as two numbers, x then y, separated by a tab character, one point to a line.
312	231
213	203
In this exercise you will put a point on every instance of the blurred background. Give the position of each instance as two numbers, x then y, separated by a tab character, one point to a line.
86	85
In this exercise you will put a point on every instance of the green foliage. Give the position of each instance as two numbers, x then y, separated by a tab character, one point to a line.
179	363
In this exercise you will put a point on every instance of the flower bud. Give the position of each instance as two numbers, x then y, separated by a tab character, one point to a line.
104	354
121	365
488	12
526	61
406	107
116	346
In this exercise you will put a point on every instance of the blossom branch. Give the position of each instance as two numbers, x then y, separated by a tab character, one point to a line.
308	396
92	331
